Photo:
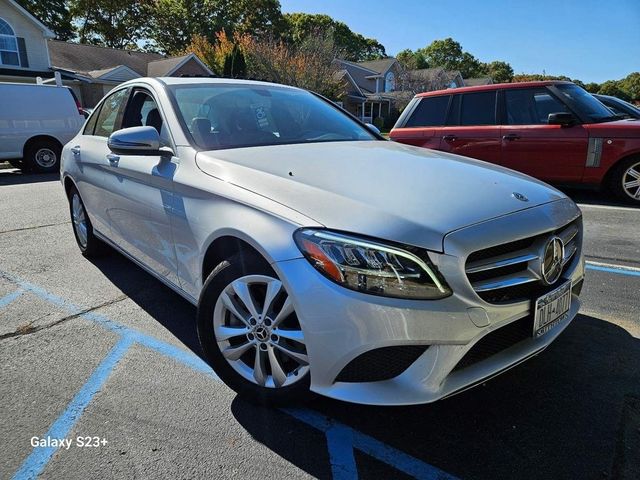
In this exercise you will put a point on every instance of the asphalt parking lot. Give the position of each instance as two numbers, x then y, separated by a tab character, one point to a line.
101	349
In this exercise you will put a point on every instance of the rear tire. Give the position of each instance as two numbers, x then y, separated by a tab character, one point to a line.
42	156
624	180
264	373
88	243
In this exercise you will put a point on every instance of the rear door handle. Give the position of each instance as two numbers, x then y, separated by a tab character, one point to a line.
510	137
449	138
113	158
75	150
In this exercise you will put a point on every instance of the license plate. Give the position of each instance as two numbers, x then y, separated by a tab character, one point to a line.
551	309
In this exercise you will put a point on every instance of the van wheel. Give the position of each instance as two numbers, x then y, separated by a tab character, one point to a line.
624	181
89	244
43	156
250	334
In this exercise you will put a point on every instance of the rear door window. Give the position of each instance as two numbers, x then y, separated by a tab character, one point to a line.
478	109
430	112
531	106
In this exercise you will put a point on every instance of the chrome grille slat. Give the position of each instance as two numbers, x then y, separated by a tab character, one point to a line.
501	261
504	281
510	272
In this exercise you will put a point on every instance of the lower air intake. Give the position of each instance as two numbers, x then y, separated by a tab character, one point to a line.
381	364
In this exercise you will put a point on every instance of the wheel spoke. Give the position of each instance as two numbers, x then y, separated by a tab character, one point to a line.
295	335
273	288
632	172
242	291
228	303
287	309
631	184
225	333
301	358
279	377
258	368
234	353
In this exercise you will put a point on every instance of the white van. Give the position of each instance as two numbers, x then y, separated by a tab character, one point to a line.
35	122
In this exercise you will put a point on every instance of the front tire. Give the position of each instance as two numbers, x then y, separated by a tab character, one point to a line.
42	156
624	181
250	334
88	243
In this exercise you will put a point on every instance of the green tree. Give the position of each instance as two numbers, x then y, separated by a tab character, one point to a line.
352	46
615	89
112	23
592	87
500	72
411	60
631	85
449	55
54	14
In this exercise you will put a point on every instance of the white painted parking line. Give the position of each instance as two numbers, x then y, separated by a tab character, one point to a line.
613	265
607	207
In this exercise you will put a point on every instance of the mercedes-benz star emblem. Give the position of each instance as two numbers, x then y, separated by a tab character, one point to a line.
551	266
519	196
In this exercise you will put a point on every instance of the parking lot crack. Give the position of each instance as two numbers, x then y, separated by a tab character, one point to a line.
35	227
29	327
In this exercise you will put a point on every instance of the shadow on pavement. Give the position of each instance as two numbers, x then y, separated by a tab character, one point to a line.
13	176
572	412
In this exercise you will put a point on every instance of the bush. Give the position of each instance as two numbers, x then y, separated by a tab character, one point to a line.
379	122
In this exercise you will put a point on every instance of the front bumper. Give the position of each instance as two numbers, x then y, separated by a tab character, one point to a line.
340	325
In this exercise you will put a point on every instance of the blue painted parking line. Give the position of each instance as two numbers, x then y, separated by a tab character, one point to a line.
617	269
341	439
7	299
35	463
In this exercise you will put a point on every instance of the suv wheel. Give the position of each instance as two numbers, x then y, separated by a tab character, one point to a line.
625	180
43	156
250	334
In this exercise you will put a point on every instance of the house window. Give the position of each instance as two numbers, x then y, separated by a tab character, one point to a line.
8	45
389	82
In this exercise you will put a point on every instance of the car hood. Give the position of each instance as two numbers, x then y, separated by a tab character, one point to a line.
380	189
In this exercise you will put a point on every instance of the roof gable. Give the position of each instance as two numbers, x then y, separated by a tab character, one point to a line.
379	66
120	73
47	32
167	66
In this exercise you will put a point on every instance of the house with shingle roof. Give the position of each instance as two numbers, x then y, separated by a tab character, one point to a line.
28	52
379	88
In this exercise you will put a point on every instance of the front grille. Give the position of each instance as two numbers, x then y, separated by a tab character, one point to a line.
497	341
509	272
381	363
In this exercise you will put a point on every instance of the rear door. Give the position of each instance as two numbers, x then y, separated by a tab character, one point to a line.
529	144
471	128
140	192
423	123
90	152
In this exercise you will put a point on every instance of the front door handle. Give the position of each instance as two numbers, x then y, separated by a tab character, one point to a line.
510	137
113	158
449	138
75	150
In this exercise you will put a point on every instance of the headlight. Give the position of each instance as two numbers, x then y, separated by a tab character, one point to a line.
371	267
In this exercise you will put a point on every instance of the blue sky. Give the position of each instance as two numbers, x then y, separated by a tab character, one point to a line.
590	40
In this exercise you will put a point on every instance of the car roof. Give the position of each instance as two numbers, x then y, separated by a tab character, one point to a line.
495	86
205	80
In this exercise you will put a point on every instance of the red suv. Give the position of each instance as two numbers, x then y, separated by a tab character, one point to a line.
554	131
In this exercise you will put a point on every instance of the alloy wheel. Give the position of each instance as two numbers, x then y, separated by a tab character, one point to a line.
79	218
631	181
258	332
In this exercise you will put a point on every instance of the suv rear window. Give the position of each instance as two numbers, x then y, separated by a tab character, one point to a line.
430	112
476	109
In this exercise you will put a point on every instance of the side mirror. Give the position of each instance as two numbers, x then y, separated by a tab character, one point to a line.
373	128
135	141
562	118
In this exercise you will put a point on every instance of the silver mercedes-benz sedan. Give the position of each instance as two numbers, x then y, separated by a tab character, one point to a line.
322	257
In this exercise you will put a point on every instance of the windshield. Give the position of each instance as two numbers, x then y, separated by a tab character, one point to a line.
223	115
586	104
